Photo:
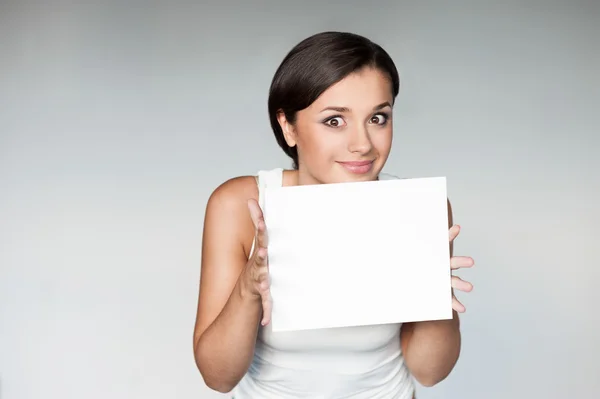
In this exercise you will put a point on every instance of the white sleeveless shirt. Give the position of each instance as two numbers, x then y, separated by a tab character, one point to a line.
362	362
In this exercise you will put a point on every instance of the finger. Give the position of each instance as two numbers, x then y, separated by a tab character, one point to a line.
267	305
261	259
457	262
261	234
453	232
259	274
255	212
259	223
461	285
264	289
456	305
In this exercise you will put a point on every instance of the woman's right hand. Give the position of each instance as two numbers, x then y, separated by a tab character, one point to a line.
256	273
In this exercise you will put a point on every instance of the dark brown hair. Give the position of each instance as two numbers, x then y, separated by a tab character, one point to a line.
314	65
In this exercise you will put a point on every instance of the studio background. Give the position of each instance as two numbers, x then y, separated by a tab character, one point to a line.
119	118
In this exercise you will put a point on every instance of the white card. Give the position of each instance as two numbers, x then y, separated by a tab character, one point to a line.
353	254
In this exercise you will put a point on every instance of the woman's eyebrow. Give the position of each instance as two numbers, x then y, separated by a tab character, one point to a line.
346	109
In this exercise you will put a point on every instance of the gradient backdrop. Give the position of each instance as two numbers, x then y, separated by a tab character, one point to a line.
118	119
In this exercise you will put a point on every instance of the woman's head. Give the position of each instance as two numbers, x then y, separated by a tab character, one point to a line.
330	104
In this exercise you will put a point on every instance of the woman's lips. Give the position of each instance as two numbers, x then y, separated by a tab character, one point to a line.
358	167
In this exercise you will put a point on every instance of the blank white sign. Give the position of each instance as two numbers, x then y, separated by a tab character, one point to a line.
353	254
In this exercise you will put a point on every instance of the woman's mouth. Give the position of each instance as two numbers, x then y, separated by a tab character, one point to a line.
358	167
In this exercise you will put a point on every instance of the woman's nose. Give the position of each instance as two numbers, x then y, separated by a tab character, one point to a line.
360	141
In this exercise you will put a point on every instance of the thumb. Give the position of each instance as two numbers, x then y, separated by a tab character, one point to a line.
255	212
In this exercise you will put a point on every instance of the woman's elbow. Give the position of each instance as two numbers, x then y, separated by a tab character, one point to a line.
212	378
429	380
217	384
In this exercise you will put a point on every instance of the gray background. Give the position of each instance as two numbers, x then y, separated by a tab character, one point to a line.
118	118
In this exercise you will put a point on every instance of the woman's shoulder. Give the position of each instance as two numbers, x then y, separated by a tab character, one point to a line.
229	201
235	189
243	187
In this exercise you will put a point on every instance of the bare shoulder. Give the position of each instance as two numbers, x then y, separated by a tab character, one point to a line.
227	207
233	192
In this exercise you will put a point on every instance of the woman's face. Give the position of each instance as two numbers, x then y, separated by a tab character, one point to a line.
346	134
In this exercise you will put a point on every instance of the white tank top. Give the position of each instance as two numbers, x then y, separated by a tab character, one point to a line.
352	362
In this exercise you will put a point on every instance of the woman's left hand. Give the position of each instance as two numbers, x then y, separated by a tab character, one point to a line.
458	262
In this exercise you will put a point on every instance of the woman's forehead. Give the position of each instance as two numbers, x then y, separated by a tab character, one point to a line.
361	90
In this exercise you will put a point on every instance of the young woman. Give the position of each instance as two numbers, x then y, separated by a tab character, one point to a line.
330	104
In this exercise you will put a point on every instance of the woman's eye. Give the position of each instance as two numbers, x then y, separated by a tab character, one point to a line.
334	122
379	119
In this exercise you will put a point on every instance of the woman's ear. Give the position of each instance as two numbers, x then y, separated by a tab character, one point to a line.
289	133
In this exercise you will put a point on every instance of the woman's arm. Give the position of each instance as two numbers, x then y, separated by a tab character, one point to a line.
228	314
431	348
